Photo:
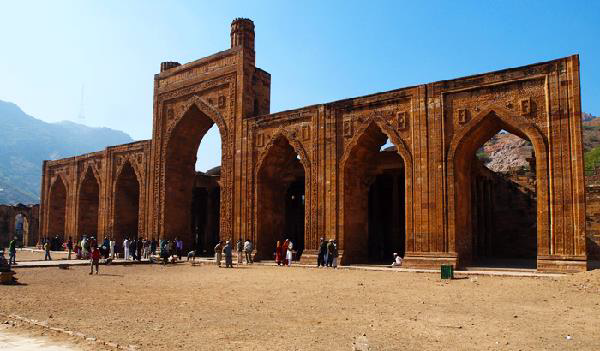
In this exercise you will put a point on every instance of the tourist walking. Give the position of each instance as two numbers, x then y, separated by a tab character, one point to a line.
278	253
239	249
330	249
228	251
94	259
322	252
126	249
12	252
218	249
248	248
47	256
290	253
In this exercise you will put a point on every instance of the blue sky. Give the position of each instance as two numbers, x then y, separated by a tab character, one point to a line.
316	51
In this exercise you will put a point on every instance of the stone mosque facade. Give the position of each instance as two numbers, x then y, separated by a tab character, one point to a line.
388	172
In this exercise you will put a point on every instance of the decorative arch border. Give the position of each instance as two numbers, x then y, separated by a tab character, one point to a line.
226	215
58	176
530	130
300	150
389	130
96	173
113	206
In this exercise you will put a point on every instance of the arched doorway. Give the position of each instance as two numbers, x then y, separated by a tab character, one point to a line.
21	229
495	214
88	202
374	200
182	202
127	200
57	209
280	199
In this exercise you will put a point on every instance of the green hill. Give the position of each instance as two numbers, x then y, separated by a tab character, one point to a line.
26	141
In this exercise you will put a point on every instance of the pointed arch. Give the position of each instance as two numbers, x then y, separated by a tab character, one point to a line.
88	203
57	207
183	137
374	133
126	207
460	155
282	191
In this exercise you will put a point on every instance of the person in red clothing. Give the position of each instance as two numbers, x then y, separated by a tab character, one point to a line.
278	253
95	259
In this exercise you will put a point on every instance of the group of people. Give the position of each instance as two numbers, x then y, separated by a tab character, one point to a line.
244	250
171	249
328	253
284	253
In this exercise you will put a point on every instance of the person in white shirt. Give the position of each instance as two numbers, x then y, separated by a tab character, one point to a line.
126	249
397	260
289	253
112	248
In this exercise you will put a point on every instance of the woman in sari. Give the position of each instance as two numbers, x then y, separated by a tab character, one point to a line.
284	249
278	254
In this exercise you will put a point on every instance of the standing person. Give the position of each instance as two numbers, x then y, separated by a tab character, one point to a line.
322	252
138	249
170	248
278	254
218	249
153	246
94	259
179	246
284	249
330	249
12	252
112	248
163	251
228	251
290	253
106	247
84	247
126	249
146	251
69	247
336	254
239	249
47	256
248	251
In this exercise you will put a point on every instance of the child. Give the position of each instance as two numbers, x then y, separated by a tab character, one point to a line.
95	259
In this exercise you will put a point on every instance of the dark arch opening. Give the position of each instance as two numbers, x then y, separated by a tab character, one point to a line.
374	200
88	204
127	200
57	209
186	208
496	197
280	200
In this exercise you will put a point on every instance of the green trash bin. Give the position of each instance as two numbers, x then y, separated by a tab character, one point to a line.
447	271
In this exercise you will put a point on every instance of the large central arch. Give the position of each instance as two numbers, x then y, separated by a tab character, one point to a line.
179	173
460	158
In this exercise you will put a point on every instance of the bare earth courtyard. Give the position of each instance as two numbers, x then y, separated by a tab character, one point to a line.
266	308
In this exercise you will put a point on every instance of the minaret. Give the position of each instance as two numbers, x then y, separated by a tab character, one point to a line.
242	33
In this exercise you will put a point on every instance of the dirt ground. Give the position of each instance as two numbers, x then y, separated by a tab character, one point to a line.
27	255
267	308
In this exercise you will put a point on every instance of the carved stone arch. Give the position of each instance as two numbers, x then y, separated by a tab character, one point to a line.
226	214
391	132
299	149
95	172
482	127
294	142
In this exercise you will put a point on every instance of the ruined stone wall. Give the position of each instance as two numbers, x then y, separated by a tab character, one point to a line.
8	230
435	127
103	168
